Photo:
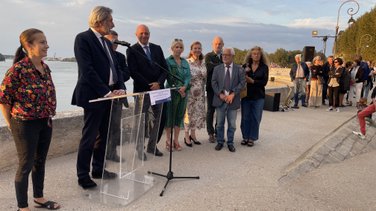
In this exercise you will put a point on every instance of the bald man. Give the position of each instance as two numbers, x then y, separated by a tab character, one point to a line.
146	63
212	59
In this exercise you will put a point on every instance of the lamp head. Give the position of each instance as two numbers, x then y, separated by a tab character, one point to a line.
351	20
315	33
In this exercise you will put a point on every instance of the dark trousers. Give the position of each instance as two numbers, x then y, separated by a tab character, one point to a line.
32	139
115	127
324	92
94	120
210	112
156	126
333	96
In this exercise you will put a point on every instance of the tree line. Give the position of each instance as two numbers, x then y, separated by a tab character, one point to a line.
280	58
359	38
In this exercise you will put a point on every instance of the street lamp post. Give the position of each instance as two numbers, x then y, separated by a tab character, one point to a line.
315	33
367	38
351	11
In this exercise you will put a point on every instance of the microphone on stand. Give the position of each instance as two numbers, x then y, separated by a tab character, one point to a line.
123	43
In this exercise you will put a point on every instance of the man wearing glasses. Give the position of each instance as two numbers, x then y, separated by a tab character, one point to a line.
227	81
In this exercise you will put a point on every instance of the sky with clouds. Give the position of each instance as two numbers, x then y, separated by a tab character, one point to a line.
271	24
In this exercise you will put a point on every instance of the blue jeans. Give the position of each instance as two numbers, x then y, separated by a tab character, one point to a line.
251	111
223	112
299	90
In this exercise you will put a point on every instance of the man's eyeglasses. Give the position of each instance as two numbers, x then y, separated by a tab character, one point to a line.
335	61
178	40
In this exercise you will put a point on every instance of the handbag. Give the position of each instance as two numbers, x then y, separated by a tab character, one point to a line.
243	92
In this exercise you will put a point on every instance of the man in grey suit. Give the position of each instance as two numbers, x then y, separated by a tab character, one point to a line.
227	81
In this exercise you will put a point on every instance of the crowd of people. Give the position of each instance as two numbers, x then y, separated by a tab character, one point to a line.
206	86
338	82
335	82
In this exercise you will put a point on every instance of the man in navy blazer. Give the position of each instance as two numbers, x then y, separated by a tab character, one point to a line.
97	77
299	74
148	68
227	81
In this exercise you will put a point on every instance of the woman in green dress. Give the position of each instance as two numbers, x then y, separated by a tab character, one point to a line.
178	67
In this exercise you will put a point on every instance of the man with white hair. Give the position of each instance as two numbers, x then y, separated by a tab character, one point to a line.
98	76
299	74
227	81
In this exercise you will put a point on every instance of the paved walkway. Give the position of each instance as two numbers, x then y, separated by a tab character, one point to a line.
245	180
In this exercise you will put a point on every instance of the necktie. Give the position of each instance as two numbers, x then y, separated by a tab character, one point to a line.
227	78
112	66
147	50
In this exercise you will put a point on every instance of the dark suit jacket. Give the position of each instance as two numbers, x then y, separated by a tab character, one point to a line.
143	71
211	60
237	83
93	70
122	65
294	69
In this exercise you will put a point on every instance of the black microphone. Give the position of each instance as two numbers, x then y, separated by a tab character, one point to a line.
123	43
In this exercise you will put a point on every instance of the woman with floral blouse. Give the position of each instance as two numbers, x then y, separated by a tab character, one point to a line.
28	102
196	98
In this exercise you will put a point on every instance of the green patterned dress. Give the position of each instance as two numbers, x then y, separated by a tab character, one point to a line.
176	107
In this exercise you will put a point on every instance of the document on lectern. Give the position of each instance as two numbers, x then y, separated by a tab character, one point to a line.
160	96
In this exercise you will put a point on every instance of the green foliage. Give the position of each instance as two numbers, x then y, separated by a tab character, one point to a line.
283	58
359	38
239	56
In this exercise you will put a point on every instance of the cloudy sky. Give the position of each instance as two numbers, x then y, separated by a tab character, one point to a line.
271	24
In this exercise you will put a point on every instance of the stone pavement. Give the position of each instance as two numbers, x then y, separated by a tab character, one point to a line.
249	179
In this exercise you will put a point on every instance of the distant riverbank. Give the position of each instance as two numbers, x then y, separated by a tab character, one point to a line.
64	75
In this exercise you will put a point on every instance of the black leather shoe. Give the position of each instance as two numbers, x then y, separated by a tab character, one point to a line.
87	183
106	175
295	107
142	156
211	138
115	158
231	148
219	147
156	152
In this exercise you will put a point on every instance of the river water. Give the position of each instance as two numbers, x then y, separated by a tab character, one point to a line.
64	75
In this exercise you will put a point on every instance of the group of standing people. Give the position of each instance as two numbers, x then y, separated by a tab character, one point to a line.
332	80
28	99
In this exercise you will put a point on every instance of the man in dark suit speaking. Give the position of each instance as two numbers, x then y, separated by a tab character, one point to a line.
97	77
148	68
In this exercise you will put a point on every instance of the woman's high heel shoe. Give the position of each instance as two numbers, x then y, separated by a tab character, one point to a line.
188	144
177	146
168	146
194	141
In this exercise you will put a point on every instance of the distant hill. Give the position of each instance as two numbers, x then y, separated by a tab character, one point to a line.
2	58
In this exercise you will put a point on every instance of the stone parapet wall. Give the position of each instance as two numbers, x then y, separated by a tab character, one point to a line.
337	146
67	127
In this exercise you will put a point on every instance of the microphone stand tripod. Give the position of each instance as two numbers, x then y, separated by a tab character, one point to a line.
170	174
